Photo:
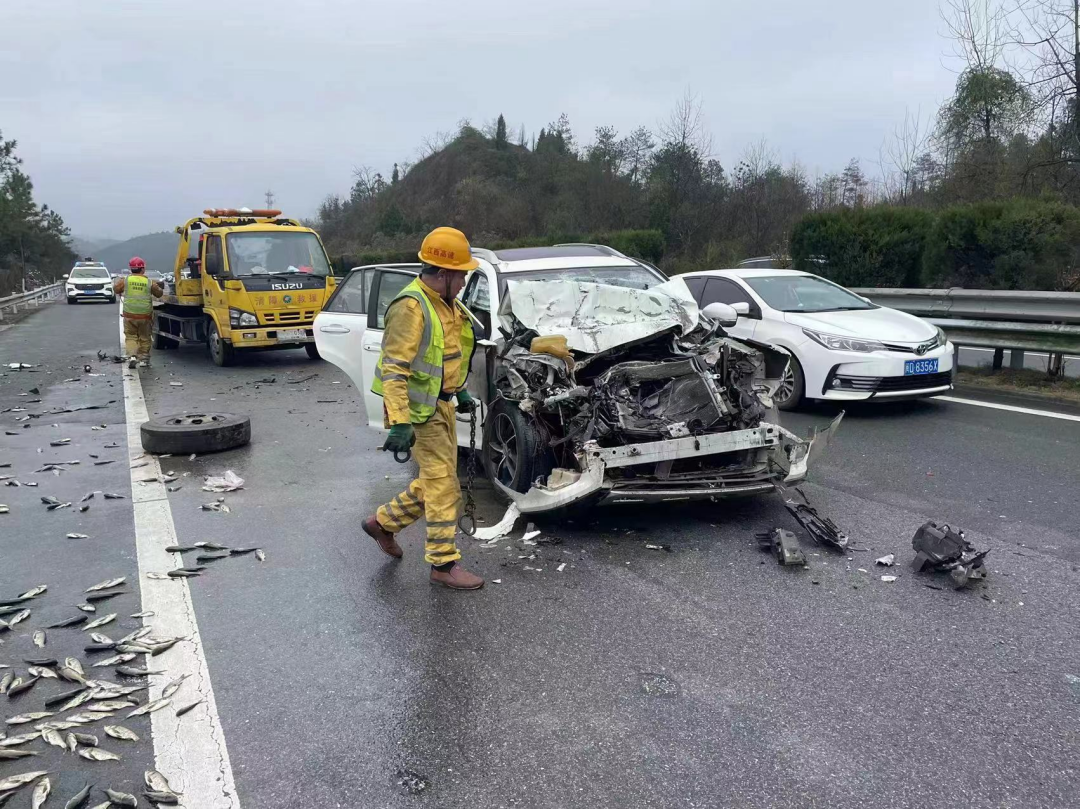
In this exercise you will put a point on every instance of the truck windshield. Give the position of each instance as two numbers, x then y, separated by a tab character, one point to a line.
275	254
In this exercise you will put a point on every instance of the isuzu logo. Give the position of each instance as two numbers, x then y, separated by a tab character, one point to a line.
286	286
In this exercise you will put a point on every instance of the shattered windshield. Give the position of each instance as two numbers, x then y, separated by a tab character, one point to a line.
635	277
275	254
805	293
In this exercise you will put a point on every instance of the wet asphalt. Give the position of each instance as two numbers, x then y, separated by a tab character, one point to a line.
700	676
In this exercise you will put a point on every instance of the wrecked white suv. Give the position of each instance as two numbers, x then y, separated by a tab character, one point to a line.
652	402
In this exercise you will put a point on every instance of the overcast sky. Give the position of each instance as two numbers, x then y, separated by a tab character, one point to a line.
133	116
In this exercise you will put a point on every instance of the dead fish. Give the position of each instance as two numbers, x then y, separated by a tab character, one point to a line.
212	557
93	598
58	506
87	496
41	671
15	741
110	706
76	701
5	681
115	660
75	620
10	753
41	793
73	663
174	686
86	607
14	681
141	632
150	707
50	500
105	619
84	718
34	592
164	646
71	675
78	536
183	573
78	799
19	781
146	614
181	548
122	733
64	697
40	661
162	798
211	546
241	551
157	576
84	509
157	782
87	739
110	496
21	687
122	798
131	671
27	718
18	618
97	754
186	708
107	585
260	554
39	638
134	649
54	738
215	507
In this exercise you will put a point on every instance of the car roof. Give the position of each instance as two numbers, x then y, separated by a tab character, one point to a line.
745	272
566	263
553	251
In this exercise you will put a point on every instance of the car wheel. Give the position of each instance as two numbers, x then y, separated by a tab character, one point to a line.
220	351
195	432
312	351
513	454
71	301
792	387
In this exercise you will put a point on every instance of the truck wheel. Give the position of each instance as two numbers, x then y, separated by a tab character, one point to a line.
220	351
513	454
312	351
162	343
195	432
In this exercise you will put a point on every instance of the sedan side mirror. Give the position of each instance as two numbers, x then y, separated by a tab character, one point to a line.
741	308
65	275
725	314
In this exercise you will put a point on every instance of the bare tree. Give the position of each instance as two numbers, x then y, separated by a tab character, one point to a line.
979	30
432	144
686	127
900	156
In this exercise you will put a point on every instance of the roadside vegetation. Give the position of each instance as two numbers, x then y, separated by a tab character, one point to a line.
1027	381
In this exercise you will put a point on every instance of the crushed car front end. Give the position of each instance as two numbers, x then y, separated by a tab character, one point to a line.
649	401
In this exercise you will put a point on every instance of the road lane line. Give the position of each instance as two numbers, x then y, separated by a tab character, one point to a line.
1013	408
189	751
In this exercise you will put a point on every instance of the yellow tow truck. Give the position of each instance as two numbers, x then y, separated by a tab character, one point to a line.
243	279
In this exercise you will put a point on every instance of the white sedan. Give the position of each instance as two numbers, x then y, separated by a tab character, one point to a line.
843	347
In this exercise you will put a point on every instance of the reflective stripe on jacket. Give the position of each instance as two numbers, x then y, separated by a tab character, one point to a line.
422	373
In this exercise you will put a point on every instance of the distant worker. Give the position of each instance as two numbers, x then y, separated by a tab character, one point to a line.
138	311
426	348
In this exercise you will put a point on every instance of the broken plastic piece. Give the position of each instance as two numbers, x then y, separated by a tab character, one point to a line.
888	579
888	560
823	530
501	528
940	548
229	482
784	544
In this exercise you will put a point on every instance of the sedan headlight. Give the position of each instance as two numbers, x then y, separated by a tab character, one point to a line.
941	338
239	319
835	342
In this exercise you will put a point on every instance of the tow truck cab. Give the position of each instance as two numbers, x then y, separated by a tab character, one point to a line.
244	280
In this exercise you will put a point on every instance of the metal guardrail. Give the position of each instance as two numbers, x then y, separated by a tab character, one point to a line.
1031	321
32	298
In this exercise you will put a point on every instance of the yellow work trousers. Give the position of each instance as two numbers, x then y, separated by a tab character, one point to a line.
436	494
137	338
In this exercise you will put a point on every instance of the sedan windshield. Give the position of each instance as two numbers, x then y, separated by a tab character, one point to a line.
805	293
99	273
276	254
636	277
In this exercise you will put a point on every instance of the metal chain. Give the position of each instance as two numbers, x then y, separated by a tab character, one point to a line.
469	515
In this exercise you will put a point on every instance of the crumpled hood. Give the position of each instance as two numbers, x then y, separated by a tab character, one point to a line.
597	317
884	324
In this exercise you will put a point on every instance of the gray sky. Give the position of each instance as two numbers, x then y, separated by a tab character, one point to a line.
133	116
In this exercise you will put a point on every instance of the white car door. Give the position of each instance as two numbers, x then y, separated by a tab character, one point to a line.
382	286
339	327
725	290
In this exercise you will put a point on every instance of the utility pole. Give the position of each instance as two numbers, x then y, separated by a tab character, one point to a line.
269	196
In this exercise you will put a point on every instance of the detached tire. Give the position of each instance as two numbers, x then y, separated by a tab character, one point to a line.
195	432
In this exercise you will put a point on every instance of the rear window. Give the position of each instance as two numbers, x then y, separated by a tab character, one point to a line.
635	277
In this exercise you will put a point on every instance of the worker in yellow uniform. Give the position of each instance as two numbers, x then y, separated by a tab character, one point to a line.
427	345
137	290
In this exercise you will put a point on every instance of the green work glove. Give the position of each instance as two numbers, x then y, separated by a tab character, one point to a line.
401	438
465	402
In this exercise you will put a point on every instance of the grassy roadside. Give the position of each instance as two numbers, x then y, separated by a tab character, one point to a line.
1035	383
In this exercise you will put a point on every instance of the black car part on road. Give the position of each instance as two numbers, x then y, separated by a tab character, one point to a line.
195	432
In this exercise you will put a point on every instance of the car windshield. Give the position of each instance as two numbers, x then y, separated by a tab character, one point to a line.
635	277
89	272
276	253
805	293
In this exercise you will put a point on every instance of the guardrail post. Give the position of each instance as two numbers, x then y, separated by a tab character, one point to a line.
1016	359
999	356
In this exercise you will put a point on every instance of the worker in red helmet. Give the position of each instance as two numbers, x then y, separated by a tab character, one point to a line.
137	290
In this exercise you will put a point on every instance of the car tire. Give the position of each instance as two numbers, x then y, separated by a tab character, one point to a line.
513	452
195	432
112	299
792	388
220	351
312	351
71	301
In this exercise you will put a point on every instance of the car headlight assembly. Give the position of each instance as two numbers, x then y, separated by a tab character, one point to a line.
941	338
835	342
239	319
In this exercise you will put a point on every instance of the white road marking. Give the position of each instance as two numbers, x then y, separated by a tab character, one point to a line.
1012	408
189	751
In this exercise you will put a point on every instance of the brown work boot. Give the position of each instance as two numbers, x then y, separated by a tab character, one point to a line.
456	578
387	543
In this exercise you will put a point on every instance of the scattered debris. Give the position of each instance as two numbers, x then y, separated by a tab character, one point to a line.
658	547
304	379
561	568
229	482
78	536
410	782
889	579
821	529
886	561
784	544
501	528
940	548
214	507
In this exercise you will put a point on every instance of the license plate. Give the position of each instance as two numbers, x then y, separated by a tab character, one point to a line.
292	335
915	367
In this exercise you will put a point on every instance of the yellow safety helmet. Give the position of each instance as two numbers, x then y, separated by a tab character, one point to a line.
447	248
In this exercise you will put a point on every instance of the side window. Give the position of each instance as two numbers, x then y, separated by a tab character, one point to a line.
213	263
386	286
723	290
696	287
348	298
477	299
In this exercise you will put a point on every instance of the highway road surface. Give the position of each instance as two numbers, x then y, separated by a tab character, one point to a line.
591	671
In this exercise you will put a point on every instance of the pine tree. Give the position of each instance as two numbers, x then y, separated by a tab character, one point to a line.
500	133
395	176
